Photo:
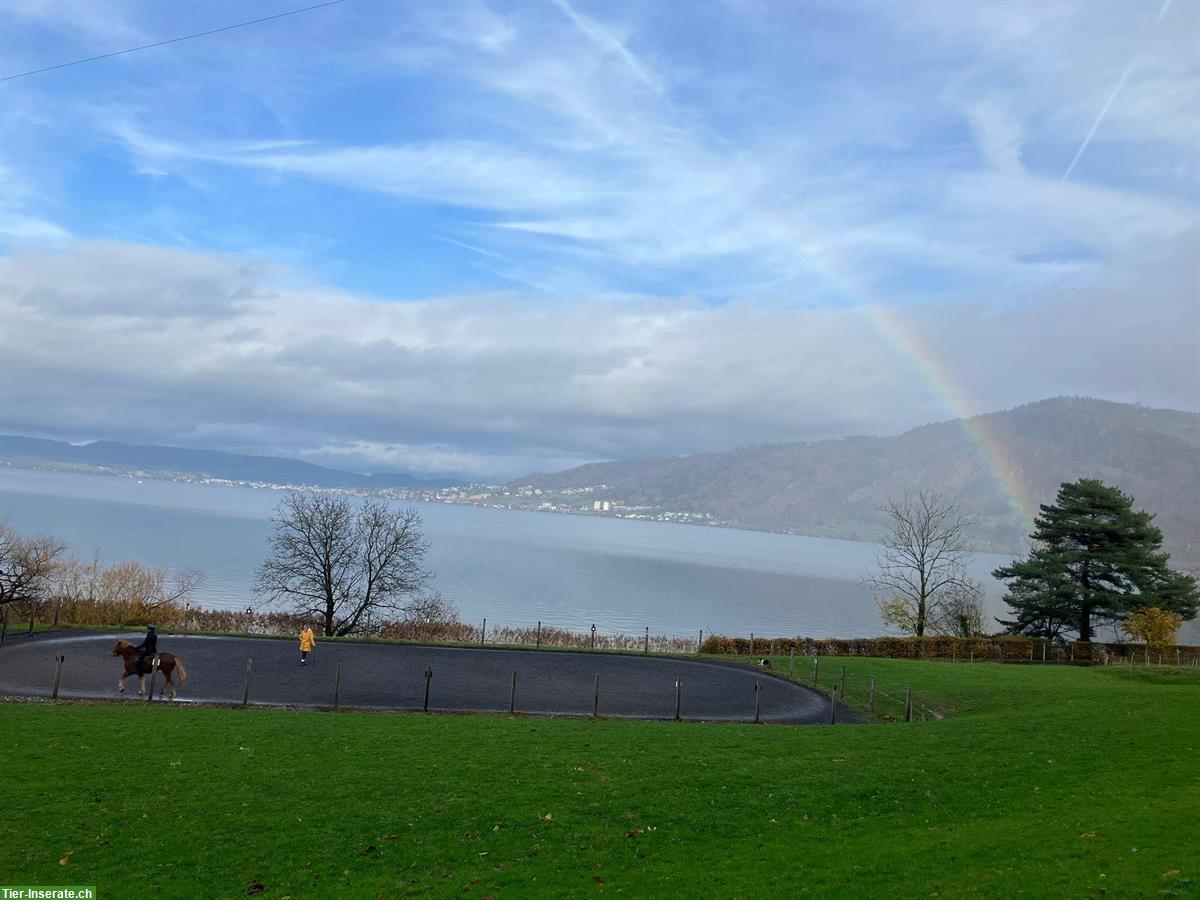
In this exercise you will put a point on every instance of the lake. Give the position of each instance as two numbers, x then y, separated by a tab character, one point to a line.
514	567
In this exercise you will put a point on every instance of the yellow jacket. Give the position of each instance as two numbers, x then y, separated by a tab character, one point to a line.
307	640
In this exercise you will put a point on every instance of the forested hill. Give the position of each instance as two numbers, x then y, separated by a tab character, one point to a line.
200	463
833	488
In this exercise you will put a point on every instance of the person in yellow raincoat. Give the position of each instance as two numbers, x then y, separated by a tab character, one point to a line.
308	640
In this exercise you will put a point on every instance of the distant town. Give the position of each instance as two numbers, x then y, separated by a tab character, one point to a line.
583	501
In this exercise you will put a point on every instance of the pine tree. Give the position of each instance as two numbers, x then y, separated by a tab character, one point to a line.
1094	560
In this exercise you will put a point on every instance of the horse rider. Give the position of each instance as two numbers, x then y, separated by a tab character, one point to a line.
147	648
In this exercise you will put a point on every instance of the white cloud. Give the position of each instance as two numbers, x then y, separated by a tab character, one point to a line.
183	347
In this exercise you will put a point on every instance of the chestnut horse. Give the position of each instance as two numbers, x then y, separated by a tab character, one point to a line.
167	663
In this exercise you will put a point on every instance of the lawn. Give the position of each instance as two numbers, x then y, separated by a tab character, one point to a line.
1037	781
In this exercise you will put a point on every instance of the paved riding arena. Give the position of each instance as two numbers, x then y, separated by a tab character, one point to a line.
392	676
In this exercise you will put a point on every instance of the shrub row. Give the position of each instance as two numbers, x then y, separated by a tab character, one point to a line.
1012	648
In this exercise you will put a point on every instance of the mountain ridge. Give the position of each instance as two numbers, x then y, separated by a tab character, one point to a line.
205	463
833	488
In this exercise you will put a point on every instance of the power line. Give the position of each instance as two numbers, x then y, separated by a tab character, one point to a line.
186	37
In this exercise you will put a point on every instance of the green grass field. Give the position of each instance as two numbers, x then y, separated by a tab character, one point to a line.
1038	781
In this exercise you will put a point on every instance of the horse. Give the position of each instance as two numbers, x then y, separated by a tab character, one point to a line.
167	663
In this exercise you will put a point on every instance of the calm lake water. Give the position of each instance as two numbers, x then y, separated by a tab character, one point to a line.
514	567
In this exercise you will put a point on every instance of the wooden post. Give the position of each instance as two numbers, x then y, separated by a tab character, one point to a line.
1072	651
337	687
792	660
972	655
758	703
1147	654
833	695
1044	643
428	677
700	646
58	662
816	670
4	625
57	610
539	634
153	672
32	616
678	698
772	651
1031	648
596	698
483	631
249	666
512	695
751	645
871	708
842	687
1177	656
646	648
593	646
908	705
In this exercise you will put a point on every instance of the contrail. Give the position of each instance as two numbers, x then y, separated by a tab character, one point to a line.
606	41
1111	97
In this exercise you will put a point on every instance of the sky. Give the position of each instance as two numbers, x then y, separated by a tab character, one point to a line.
489	239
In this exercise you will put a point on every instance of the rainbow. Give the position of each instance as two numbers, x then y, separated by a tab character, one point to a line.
896	330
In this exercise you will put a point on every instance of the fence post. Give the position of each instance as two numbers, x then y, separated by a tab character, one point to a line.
751	645
249	666
593	645
337	687
1044	643
57	609
772	651
758	703
678	698
816	669
972	655
428	678
792	660
58	662
1177	656
596	698
871	708
1147	654
908	704
4	625
512	695
646	648
32	616
483	631
700	646
833	695
842	686
1072	651
153	672
539	634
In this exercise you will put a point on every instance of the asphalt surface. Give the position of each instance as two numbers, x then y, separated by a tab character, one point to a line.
392	676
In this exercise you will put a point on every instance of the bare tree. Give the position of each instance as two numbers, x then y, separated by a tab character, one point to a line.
921	569
338	564
27	566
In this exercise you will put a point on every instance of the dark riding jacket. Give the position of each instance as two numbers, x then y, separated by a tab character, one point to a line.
149	646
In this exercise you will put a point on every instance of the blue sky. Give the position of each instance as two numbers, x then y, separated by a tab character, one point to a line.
490	238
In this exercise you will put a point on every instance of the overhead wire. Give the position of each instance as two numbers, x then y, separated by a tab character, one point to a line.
176	40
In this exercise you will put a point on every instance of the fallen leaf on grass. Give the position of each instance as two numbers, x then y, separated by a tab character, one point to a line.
1170	873
633	832
388	837
547	817
1088	834
597	879
66	858
256	887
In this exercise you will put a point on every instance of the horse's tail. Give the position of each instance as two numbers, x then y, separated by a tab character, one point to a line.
181	670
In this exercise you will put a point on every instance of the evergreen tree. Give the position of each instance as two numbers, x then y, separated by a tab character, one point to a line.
1095	559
